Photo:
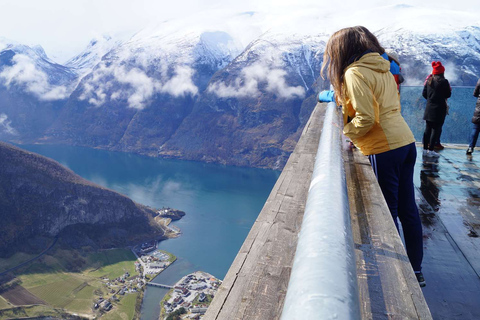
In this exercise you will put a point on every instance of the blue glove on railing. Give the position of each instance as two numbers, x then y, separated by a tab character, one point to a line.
326	96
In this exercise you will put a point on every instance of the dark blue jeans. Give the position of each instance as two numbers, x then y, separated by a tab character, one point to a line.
474	135
394	172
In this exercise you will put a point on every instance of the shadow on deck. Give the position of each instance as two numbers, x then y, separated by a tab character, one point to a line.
448	198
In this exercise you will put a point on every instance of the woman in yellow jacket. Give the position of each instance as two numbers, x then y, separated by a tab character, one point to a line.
368	92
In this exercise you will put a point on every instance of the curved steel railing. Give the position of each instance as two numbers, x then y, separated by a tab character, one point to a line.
323	283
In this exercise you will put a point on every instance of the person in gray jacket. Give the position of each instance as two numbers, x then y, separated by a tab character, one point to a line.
475	120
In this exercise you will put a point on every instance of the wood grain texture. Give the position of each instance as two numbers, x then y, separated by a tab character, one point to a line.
387	285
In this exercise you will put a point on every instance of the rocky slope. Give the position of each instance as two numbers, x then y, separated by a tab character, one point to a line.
39	197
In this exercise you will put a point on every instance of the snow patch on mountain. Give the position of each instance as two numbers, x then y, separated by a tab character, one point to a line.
84	62
267	72
24	73
267	63
152	63
457	48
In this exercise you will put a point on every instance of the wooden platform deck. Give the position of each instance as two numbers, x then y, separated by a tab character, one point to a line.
448	197
387	284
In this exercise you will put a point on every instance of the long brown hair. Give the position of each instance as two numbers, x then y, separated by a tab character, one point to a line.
344	47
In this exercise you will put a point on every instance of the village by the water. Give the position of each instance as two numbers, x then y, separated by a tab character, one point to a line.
189	298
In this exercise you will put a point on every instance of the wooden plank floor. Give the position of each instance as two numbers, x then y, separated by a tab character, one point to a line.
256	283
387	285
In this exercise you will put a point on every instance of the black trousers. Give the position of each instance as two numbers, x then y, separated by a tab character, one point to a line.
432	134
394	170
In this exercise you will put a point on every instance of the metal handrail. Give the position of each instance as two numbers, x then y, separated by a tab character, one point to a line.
323	282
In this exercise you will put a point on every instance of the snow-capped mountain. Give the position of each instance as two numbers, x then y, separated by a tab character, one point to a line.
24	65
84	62
458	49
198	94
32	90
253	107
150	81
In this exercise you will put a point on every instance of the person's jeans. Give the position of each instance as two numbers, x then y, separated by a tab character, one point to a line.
474	135
394	172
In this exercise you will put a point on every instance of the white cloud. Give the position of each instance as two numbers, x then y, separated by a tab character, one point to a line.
141	86
451	72
23	72
138	88
181	83
5	124
267	72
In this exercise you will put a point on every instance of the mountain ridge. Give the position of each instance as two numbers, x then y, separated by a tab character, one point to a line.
41	198
195	95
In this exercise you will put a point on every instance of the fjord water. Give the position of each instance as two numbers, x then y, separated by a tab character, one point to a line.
221	204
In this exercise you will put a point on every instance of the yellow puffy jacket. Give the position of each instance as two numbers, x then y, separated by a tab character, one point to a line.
371	99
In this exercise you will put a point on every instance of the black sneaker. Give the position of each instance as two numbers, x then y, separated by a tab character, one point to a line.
420	279
469	150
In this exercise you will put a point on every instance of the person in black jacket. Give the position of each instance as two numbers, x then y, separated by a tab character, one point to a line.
436	90
475	120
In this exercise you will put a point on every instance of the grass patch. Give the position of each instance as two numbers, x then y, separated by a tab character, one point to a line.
30	280
70	281
112	263
30	312
80	306
59	293
4	304
124	310
171	257
14	260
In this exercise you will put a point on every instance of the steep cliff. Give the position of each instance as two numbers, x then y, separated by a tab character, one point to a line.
39	197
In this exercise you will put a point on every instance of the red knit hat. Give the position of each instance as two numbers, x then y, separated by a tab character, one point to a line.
437	67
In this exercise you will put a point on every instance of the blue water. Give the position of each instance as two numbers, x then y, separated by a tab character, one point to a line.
457	126
221	204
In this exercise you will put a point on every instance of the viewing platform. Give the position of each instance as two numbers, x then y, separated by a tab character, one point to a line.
448	197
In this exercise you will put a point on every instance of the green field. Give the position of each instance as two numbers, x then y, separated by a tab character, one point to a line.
27	312
59	293
53	279
14	260
71	281
3	304
112	263
124	310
